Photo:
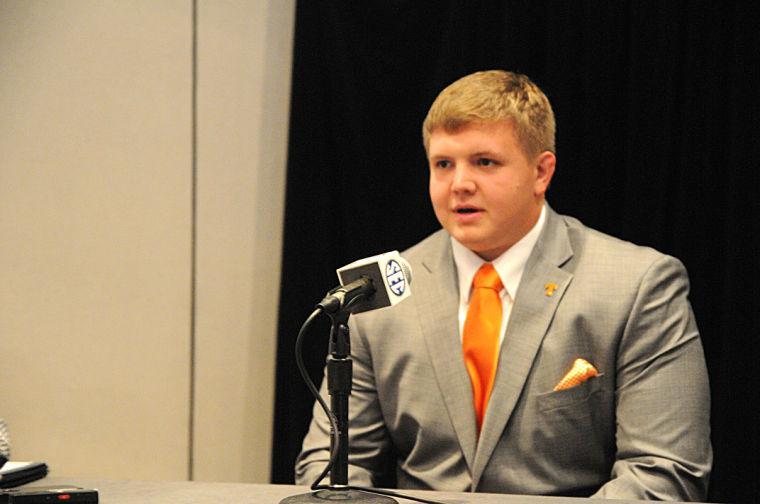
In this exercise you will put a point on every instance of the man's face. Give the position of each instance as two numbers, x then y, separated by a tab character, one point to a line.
485	191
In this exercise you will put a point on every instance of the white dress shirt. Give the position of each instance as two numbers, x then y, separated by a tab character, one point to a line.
510	266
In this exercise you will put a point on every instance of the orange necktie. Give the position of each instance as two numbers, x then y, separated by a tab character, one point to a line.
480	337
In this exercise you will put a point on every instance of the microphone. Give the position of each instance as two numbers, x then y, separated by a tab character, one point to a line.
370	283
367	284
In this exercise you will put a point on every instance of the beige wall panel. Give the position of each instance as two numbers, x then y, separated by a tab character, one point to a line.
244	64
95	222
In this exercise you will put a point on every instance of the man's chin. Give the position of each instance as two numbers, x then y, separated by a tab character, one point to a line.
480	247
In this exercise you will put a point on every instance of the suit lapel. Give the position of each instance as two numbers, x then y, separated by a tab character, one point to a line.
529	321
436	289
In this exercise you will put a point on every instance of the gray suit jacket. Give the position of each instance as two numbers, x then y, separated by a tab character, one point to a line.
639	430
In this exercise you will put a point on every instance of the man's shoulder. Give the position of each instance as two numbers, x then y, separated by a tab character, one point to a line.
599	248
435	243
580	234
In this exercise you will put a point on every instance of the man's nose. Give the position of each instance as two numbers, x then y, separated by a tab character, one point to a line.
462	181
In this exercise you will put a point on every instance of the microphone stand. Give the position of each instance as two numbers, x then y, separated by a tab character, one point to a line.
339	380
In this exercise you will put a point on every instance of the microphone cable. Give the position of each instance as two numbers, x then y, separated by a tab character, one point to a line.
334	421
313	389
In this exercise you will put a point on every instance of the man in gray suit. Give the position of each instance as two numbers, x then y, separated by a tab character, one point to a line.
598	384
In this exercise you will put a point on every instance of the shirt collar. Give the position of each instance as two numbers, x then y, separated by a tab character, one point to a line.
510	265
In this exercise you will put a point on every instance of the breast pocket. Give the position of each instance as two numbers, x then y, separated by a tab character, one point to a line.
575	427
574	396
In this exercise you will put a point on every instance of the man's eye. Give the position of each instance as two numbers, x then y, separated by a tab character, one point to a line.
486	162
443	163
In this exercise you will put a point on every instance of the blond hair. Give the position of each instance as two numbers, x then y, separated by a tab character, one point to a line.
491	96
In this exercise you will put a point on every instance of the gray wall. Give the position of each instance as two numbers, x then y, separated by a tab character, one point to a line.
137	339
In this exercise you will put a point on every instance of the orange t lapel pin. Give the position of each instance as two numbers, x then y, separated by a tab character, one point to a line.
550	288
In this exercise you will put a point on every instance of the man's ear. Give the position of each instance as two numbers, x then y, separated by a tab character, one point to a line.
545	163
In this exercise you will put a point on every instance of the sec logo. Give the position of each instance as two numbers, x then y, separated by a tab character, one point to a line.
395	277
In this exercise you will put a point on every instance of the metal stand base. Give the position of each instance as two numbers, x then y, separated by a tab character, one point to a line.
323	496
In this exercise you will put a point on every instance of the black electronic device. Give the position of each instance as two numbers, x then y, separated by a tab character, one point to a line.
59	494
14	474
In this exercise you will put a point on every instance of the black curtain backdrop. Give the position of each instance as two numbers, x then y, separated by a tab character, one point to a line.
657	144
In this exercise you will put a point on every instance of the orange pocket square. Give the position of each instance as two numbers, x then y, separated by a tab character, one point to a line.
582	370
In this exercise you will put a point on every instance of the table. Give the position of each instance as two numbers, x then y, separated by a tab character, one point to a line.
180	492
